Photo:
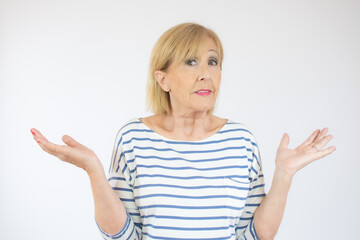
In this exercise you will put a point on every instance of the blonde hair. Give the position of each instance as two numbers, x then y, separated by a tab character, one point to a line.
173	47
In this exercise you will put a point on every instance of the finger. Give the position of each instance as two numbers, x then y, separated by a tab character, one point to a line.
71	142
322	143
324	153
311	138
321	135
284	143
49	147
54	149
37	135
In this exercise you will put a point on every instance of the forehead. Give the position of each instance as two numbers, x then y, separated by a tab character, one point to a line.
209	45
196	49
204	46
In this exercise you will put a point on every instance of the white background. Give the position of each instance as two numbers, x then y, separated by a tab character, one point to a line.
80	68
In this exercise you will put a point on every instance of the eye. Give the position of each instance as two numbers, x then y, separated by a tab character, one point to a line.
213	61
191	62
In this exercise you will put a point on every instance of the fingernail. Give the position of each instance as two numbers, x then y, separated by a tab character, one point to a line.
32	132
38	141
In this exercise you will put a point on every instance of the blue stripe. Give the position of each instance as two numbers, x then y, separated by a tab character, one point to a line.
131	160
187	160
240	227
257	160
121	179
256	179
252	204
127	200
189	143
139	225
182	238
189	229
189	177
253	169
257	186
189	218
130	123
189	187
121	189
116	178
131	234
190	207
187	152
236	130
191	168
257	195
188	197
134	214
251	229
121	155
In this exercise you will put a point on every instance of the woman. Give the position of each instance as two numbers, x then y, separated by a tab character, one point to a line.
185	173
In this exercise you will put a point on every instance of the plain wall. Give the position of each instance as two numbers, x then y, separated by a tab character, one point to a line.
80	68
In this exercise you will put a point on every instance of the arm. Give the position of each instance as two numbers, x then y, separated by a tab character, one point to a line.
269	214
110	212
107	210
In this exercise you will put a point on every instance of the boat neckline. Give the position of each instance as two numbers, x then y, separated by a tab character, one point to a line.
178	140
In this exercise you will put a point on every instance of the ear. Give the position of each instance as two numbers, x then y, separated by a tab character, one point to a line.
161	80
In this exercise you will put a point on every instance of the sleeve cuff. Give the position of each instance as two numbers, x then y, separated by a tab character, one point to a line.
125	232
250	232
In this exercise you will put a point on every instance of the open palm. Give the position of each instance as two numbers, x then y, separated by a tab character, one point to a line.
292	160
73	152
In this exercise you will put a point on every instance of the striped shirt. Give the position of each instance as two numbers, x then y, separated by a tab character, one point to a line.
172	189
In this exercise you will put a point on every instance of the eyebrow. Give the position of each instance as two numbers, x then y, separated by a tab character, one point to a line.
213	50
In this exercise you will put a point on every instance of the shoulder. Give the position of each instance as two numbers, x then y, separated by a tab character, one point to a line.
239	128
129	127
133	123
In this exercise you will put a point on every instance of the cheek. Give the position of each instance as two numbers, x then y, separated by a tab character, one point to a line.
217	80
185	84
181	89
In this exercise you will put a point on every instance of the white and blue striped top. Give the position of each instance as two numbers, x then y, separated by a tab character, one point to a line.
172	189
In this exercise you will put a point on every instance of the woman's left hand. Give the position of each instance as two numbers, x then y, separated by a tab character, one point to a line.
291	160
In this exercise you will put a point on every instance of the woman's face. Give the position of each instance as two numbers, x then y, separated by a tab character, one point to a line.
194	84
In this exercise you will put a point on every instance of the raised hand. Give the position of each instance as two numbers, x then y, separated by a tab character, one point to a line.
73	152
292	160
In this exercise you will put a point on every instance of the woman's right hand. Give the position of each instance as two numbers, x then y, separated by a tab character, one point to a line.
74	153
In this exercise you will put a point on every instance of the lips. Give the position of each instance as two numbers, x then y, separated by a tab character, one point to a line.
203	92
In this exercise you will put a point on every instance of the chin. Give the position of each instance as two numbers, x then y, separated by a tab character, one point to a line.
204	108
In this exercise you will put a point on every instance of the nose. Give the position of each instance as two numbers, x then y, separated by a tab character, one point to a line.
204	72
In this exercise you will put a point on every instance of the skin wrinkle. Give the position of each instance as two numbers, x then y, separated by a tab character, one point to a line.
189	117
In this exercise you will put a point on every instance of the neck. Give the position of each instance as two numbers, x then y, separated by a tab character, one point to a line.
189	125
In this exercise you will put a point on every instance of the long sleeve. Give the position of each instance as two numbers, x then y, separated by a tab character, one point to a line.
245	228
121	178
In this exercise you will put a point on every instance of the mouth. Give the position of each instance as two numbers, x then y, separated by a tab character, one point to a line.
203	92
